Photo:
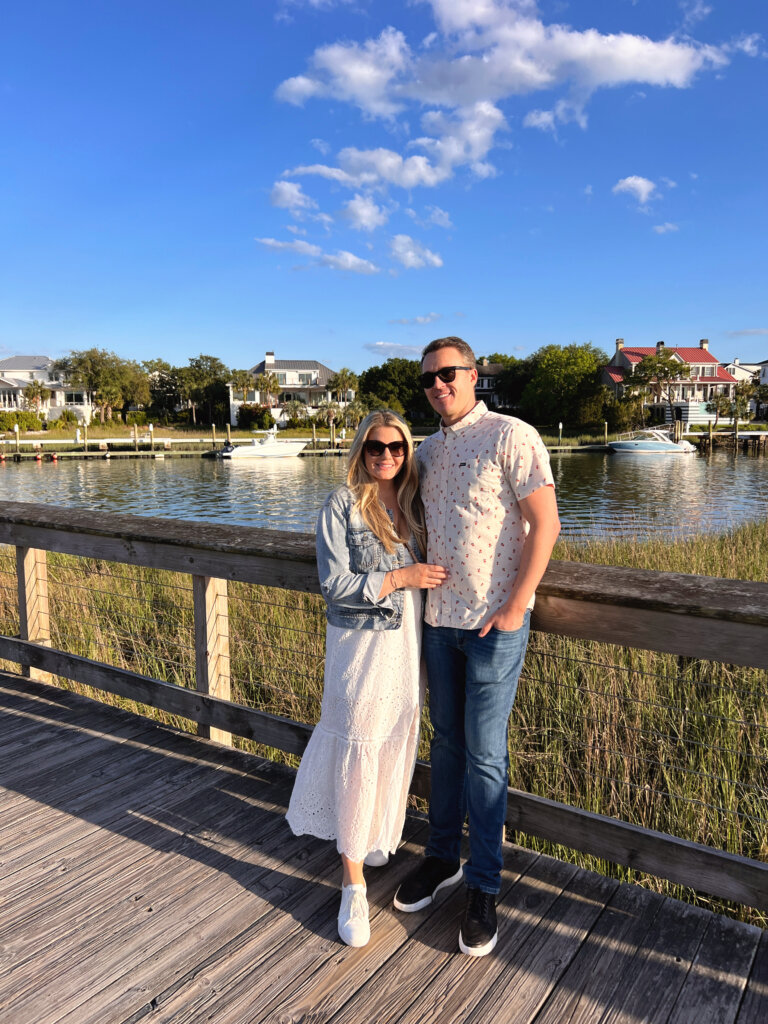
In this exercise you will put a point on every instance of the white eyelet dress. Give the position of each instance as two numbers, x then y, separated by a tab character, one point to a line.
352	785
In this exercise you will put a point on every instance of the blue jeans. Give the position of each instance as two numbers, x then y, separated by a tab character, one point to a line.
472	687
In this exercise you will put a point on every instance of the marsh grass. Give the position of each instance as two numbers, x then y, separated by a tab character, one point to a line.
674	744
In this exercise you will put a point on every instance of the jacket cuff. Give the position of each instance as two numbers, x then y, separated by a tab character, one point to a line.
372	589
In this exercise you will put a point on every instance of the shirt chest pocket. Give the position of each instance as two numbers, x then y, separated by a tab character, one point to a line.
485	480
365	551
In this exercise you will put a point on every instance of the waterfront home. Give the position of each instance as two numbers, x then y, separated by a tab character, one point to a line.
18	372
485	389
690	394
303	380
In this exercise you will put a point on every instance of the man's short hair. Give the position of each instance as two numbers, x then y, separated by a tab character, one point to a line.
451	342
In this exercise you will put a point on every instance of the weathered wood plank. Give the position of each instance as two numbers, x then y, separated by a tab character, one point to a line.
34	614
714	988
603	963
714	871
754	1006
660	968
212	674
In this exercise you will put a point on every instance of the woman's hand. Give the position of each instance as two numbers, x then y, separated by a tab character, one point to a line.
423	575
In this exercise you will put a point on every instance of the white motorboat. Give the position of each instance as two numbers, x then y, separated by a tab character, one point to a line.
267	447
653	441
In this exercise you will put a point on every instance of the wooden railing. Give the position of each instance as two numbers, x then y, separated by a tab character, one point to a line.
693	617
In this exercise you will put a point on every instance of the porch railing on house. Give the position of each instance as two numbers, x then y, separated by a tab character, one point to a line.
640	733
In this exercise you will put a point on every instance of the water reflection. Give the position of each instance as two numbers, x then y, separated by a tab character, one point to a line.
599	494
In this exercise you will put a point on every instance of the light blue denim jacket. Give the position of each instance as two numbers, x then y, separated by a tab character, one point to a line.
352	564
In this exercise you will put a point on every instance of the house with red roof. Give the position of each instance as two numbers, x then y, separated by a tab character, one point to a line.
690	396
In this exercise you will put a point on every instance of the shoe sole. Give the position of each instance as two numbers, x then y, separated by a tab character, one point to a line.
478	950
410	908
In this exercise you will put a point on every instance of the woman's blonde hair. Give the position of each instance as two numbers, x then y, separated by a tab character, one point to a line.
366	490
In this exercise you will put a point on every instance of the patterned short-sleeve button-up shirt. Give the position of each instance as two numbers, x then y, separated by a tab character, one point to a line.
473	475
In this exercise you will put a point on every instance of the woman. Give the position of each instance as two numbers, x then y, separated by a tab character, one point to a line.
353	782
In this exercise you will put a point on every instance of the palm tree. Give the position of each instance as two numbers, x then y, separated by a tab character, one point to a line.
328	412
242	383
268	384
342	382
720	405
295	410
355	411
35	394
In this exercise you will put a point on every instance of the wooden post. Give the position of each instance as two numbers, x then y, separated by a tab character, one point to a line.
605	431
314	435
229	434
212	645
213	434
135	437
34	619
85	437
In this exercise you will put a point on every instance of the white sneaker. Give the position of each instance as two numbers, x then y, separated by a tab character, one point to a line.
354	928
376	859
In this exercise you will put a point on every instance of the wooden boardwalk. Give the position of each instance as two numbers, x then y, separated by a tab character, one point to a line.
150	876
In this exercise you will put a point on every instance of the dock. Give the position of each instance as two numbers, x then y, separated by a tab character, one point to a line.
148	875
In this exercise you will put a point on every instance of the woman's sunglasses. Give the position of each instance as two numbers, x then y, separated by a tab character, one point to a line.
397	449
446	375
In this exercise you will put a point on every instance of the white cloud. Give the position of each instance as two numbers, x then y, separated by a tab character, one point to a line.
321	146
413	254
641	188
288	195
363	74
303	248
364	214
663	229
341	260
428	318
746	44
542	119
669	183
390	350
694	11
439	217
749	332
295	230
587	190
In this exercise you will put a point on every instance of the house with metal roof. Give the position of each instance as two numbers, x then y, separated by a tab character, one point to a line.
18	372
690	395
302	380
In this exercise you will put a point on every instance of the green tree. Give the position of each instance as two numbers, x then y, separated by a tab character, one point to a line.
242	383
659	373
163	383
34	394
718	405
498	357
205	383
134	387
395	385
268	384
295	410
103	375
355	411
341	382
742	395
565	385
761	398
513	380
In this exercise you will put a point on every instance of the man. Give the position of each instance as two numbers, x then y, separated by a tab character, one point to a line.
492	520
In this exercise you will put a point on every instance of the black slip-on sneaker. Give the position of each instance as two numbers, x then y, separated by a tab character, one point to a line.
478	932
421	886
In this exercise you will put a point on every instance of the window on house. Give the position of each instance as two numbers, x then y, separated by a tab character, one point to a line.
281	378
74	398
305	378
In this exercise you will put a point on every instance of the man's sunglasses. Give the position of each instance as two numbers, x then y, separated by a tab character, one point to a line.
397	449
446	375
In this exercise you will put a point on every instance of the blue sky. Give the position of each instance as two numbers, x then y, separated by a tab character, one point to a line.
347	179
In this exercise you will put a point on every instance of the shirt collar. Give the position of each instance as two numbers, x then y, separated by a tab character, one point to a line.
475	413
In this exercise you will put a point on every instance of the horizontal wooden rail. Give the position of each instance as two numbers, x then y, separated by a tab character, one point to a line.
694	616
716	872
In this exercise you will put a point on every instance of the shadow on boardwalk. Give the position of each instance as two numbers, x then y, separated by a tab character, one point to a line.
147	875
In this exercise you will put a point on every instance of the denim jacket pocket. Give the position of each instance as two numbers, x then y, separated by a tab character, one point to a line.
365	551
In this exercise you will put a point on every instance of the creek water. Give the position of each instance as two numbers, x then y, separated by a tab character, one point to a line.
598	494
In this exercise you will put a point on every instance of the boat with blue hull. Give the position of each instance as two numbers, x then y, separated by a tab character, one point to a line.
652	441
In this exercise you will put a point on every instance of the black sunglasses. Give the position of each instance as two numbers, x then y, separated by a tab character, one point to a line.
446	375
397	449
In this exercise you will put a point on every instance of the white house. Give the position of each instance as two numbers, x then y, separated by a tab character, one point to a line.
303	380
17	372
690	394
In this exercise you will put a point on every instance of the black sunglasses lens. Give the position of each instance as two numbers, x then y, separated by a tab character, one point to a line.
446	375
376	448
